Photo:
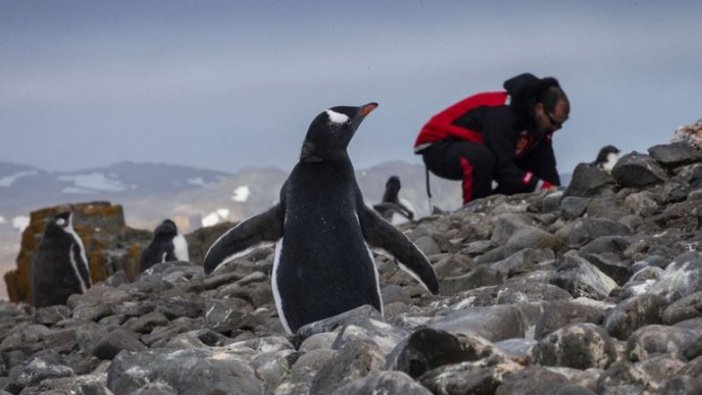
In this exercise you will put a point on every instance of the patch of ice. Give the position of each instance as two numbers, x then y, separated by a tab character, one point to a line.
241	194
9	180
96	181
20	222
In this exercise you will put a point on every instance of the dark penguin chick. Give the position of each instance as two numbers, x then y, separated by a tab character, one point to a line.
391	201
607	158
167	245
60	268
322	229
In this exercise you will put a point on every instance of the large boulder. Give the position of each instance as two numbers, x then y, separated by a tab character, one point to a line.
637	170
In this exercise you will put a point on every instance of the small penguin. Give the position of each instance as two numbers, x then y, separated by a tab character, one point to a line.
168	245
60	268
322	228
391	202
607	158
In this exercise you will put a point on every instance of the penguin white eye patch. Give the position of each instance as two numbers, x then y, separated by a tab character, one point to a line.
60	222
337	117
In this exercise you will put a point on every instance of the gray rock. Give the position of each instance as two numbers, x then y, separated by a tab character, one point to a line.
493	323
318	341
427	349
659	339
482	275
622	377
513	291
157	388
523	261
304	370
427	245
609	207
675	154
200	338
635	170
479	377
35	371
531	237
113	342
226	315
681	278
518	350
584	230
507	225
641	203
358	316
683	309
532	380
186	371
560	314
383	383
93	312
52	314
588	181
573	207
146	323
634	313
353	362
384	335
274	367
578	346
580	278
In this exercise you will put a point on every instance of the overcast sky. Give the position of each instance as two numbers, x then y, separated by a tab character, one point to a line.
229	84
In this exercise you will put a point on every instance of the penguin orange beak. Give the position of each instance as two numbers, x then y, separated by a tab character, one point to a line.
366	109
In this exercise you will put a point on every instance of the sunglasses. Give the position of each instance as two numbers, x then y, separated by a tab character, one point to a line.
557	125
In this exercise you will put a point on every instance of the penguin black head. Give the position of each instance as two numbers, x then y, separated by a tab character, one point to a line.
331	131
607	157
393	183
60	223
166	229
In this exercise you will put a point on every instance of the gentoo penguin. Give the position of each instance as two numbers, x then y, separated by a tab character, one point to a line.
168	245
322	228
607	158
391	202
60	268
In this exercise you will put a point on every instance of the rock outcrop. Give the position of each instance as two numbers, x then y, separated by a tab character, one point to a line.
595	292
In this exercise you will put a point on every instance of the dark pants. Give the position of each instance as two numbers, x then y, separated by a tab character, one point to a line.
472	163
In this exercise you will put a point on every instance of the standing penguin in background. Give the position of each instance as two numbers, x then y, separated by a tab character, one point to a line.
391	202
167	245
60	268
323	265
607	158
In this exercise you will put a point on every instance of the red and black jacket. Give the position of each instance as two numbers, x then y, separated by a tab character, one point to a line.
525	160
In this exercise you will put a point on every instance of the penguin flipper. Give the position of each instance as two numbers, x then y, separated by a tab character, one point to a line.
379	233
267	226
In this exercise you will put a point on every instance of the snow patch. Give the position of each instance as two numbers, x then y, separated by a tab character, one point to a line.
241	194
215	217
197	181
96	181
20	222
9	180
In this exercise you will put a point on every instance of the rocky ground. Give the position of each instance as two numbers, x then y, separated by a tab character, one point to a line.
596	289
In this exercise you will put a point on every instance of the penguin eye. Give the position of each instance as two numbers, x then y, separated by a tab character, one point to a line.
61	222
